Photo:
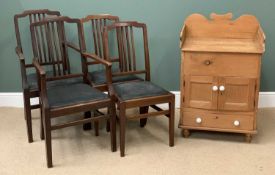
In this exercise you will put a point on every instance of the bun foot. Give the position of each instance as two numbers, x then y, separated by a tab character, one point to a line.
248	138
185	133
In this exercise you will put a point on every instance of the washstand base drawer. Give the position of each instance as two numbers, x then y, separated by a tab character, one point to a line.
222	64
225	121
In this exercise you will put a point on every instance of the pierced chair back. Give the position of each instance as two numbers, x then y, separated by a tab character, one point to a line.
129	60
33	16
97	24
93	26
48	43
50	46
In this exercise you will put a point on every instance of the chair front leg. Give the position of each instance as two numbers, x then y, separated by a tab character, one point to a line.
28	117
108	123
122	123
48	137
41	122
112	112
171	121
42	135
143	110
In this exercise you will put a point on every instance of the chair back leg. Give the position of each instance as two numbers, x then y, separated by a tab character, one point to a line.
143	110
87	126
96	124
171	121
112	121
108	126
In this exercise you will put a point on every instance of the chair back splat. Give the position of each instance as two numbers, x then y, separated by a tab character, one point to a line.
50	45
33	16
93	26
97	24
126	48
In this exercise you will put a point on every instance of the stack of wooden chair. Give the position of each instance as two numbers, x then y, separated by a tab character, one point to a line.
110	64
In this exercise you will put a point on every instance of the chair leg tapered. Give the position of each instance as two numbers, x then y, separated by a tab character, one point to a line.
108	126
171	122
42	135
48	138
41	124
96	122
122	123
87	126
27	108
96	126
108	123
112	112
143	110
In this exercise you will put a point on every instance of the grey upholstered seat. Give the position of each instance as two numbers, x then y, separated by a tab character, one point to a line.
138	89
99	77
32	81
60	96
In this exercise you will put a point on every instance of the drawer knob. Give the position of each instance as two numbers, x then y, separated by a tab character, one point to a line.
207	62
198	120
222	88
215	88
236	123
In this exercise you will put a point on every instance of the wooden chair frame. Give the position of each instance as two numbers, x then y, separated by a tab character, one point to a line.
48	113
98	22
34	16
143	103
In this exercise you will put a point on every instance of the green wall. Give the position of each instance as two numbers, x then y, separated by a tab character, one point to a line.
164	19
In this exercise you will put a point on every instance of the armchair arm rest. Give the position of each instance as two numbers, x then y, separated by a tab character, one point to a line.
41	80
97	58
21	57
108	70
19	52
38	68
72	46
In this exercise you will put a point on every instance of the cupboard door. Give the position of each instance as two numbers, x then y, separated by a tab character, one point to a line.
236	94
201	92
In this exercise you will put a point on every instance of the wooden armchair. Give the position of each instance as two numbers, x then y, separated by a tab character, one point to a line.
95	57
64	99
141	93
29	80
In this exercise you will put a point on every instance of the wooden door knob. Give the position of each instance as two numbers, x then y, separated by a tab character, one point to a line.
221	88
198	120
215	88
236	123
207	62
